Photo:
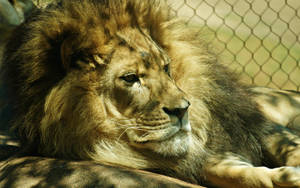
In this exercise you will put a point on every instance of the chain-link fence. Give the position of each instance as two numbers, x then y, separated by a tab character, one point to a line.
258	38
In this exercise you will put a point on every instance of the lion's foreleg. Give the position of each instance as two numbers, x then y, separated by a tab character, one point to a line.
233	172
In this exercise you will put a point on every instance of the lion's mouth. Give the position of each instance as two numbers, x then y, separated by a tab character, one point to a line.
146	134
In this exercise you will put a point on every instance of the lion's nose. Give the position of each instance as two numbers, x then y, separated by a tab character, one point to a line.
178	111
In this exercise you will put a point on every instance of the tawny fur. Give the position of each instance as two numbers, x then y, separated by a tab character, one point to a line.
60	72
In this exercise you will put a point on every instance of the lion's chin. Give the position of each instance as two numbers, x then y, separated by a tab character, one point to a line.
171	140
176	146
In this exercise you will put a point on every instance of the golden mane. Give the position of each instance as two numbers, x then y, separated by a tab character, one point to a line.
46	32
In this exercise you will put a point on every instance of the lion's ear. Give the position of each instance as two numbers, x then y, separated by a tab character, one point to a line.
72	58
89	62
98	59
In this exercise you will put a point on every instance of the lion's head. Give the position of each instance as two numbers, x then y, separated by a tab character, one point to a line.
93	77
121	89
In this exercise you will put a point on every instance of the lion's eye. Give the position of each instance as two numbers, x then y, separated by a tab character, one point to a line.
166	69
130	78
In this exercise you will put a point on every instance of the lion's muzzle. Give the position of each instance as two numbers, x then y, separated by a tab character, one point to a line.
179	115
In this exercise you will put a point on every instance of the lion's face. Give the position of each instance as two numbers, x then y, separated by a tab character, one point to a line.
153	109
145	102
134	98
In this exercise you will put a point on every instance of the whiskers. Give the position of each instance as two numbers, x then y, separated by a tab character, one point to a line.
127	123
132	125
128	128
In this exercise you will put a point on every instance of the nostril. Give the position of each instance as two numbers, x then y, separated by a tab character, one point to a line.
178	112
167	111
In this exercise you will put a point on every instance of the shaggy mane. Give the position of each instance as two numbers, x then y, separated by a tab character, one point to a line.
36	53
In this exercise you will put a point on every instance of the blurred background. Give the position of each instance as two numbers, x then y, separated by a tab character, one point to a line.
259	39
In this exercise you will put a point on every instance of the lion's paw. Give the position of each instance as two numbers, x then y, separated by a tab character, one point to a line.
286	176
293	158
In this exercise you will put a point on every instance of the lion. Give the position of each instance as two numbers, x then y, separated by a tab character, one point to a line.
125	83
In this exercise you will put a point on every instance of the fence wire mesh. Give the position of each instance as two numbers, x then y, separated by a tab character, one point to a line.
258	38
